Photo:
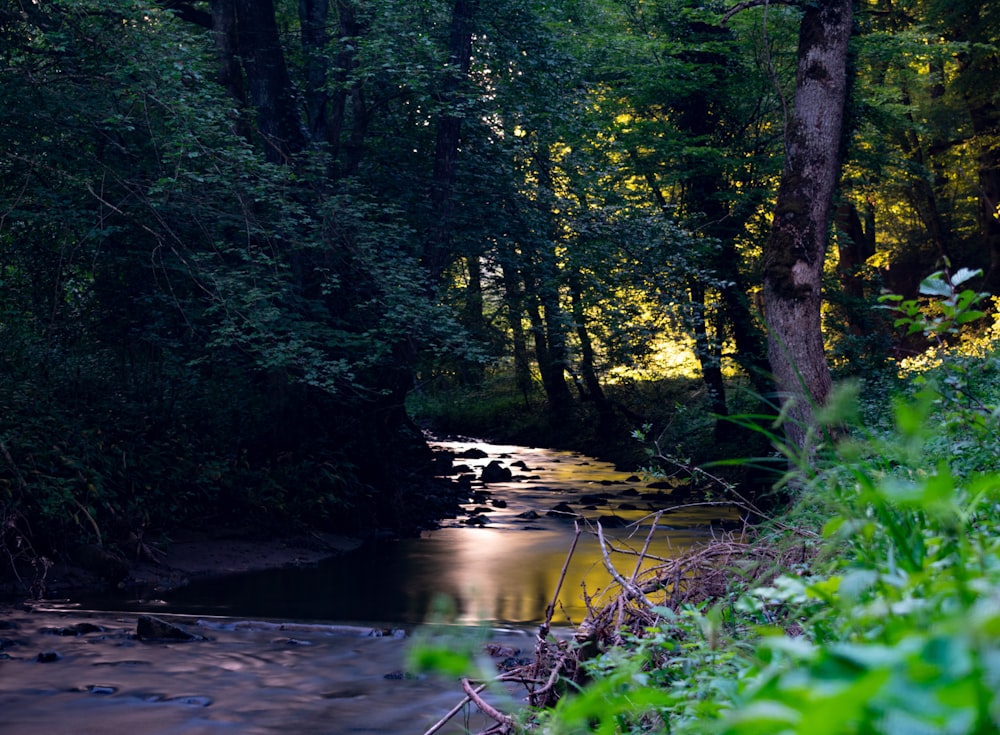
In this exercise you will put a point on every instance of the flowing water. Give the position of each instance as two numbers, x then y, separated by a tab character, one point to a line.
315	660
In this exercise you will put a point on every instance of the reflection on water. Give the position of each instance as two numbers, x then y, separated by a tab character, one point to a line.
492	576
502	572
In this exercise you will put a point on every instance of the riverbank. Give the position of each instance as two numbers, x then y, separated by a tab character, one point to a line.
192	555
181	554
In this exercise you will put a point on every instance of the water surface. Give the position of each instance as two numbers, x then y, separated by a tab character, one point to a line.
498	564
278	658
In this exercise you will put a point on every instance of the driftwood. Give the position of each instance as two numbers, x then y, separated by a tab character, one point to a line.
701	574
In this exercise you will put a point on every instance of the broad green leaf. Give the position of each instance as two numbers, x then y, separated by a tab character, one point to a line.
964	274
935	285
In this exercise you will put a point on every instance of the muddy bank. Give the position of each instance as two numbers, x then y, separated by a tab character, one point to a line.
190	556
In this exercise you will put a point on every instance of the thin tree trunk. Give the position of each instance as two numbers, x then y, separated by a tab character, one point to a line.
519	343
313	16
796	247
449	134
473	317
986	124
348	29
588	368
550	346
708	353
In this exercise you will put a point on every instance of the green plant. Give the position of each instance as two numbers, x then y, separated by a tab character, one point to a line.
945	308
893	627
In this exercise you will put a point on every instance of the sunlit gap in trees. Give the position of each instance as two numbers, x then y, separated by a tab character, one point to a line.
670	356
976	345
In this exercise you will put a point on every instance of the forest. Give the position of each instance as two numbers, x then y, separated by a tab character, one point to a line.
251	249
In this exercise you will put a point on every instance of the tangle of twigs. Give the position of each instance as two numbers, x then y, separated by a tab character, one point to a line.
704	573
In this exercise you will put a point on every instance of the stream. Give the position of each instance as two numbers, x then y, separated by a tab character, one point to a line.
322	649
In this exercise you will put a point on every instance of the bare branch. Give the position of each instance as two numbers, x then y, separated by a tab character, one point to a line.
550	610
486	708
630	589
454	711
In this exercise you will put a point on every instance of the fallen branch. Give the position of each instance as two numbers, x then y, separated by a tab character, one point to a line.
506	721
543	632
645	547
543	695
704	573
630	589
451	713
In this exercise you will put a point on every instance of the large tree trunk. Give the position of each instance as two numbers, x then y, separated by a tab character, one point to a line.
268	81
795	250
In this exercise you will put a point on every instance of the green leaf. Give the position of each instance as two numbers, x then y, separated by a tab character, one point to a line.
969	316
935	285
964	274
442	660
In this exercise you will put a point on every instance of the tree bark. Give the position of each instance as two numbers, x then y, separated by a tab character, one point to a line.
313	16
268	81
796	246
224	35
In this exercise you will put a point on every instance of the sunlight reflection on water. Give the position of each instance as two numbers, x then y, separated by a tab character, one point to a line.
504	573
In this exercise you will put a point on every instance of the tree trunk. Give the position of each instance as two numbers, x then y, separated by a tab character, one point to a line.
515	311
541	284
796	246
473	318
975	25
449	133
268	81
986	124
854	247
348	29
708	351
224	35
925	191
313	16
588	368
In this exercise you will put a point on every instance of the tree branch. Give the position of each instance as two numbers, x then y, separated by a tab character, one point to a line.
486	708
747	4
630	589
185	10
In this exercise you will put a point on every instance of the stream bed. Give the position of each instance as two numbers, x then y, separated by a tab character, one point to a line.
322	649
